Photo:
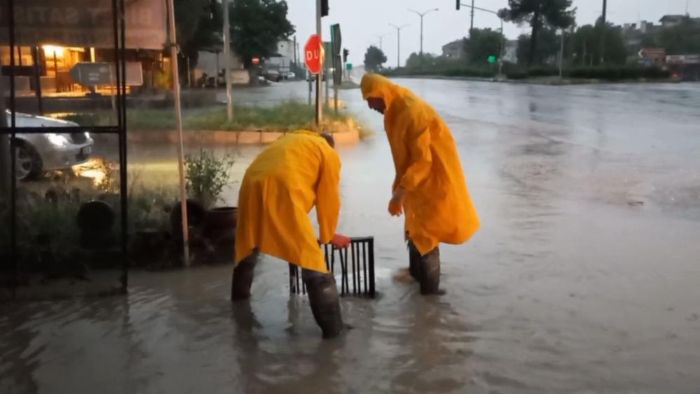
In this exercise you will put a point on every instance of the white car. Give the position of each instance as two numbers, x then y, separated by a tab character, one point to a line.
38	153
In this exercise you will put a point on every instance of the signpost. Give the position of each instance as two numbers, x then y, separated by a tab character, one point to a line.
336	44
313	58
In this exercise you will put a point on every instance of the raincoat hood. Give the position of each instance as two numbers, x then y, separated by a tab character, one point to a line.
375	85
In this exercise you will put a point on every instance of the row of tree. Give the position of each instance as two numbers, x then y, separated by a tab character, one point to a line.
584	46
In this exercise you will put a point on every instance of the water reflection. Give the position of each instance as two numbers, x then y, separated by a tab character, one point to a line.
564	283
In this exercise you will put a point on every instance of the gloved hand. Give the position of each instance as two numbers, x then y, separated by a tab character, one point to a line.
340	241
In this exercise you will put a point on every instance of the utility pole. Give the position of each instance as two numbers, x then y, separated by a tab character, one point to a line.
227	61
398	43
319	77
422	15
603	28
471	25
561	56
172	42
381	41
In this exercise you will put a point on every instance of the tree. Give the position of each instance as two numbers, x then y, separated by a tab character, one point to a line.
374	58
683	38
199	24
586	45
481	44
546	48
256	28
539	14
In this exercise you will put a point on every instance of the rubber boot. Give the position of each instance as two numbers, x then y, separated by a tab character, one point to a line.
430	272
414	261
325	304
243	278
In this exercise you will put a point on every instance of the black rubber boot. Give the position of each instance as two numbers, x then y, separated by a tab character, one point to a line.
414	261
430	272
325	304
243	278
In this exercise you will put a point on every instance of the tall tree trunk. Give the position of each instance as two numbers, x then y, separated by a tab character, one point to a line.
535	23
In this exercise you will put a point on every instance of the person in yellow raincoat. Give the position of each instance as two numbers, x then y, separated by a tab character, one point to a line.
291	176
430	186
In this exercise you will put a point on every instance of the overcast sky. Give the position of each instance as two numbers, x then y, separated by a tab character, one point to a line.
362	21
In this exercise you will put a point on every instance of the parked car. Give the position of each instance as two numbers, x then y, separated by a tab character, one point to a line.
38	153
273	75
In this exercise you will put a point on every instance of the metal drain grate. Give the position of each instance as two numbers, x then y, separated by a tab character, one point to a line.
356	264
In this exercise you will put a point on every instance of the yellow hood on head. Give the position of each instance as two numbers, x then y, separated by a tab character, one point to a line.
377	86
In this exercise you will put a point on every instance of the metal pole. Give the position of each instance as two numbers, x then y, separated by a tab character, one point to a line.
561	56
5	174
319	77
471	25
502	51
398	49
178	122
602	31
227	61
421	35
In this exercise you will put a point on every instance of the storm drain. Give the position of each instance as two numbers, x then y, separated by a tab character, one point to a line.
356	266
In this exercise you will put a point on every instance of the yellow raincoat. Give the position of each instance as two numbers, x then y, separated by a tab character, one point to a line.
279	190
437	204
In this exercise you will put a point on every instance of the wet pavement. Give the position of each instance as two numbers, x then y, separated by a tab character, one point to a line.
584	276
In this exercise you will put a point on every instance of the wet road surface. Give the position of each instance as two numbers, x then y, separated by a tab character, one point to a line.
584	276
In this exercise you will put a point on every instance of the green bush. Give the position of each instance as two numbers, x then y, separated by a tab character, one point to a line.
617	73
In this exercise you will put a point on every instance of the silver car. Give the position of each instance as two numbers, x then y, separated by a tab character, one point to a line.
38	153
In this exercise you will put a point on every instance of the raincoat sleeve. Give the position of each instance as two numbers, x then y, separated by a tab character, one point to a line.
328	196
420	158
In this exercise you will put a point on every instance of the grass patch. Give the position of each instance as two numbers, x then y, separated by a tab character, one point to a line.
290	115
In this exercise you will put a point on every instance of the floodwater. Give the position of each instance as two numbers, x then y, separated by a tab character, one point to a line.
583	279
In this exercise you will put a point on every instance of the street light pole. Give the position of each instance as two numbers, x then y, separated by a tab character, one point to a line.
421	15
398	39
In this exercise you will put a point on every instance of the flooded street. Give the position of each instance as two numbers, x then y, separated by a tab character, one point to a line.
583	279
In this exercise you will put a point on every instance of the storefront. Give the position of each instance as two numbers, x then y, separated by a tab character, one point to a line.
53	36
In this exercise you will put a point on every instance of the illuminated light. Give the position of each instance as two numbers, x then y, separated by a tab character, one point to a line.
53	50
57	139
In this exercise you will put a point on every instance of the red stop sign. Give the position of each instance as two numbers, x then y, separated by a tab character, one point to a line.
313	54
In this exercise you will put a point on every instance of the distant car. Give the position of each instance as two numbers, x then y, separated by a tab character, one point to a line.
290	75
273	75
38	153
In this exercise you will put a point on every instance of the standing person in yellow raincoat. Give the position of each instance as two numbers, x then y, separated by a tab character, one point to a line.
429	185
291	176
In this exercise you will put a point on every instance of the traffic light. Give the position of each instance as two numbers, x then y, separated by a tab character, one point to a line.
345	55
324	7
458	4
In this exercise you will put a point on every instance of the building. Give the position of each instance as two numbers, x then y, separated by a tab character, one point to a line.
672	20
52	36
454	49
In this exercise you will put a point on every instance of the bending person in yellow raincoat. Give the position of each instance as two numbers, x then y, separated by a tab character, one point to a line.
429	185
291	176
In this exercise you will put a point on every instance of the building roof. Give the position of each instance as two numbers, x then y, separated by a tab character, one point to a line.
672	18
